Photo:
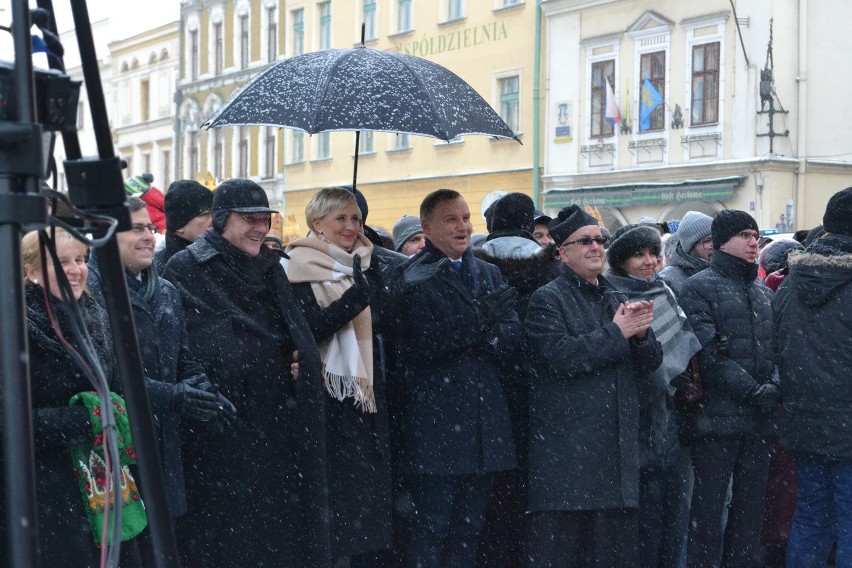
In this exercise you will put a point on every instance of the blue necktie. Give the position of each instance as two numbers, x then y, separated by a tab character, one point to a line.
457	265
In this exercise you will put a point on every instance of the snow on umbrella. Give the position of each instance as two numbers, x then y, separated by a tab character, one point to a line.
362	89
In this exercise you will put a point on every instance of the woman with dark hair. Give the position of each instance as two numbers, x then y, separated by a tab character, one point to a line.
337	284
664	467
67	536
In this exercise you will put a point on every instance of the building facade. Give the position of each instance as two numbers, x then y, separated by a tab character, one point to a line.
488	43
699	88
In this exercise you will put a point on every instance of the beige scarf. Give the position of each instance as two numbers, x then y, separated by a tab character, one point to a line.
347	358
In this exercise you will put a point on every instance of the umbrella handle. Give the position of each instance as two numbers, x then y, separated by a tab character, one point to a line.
357	151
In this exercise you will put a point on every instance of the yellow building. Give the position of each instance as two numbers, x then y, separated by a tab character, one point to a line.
489	43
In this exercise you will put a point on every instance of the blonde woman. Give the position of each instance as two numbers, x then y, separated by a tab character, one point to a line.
337	285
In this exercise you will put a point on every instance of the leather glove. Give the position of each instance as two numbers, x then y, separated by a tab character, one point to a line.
359	279
766	396
492	307
228	420
195	403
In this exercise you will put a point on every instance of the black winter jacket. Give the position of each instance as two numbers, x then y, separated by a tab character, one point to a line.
813	326
728	301
257	496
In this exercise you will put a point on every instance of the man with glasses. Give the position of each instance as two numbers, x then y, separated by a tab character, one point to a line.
593	350
693	251
265	482
187	206
730	432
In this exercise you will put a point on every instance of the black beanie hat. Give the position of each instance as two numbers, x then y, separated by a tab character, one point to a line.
513	211
628	242
838	213
489	216
359	199
184	200
569	220
728	223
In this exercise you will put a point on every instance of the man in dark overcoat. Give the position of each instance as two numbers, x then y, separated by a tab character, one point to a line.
593	347
257	495
813	329
731	431
455	320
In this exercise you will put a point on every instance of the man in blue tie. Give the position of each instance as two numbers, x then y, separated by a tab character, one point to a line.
456	322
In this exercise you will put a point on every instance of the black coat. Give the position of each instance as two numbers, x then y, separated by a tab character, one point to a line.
65	538
813	326
727	301
584	405
357	443
456	420
174	244
164	346
257	496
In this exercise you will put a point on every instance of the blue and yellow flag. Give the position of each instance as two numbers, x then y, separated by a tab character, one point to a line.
650	99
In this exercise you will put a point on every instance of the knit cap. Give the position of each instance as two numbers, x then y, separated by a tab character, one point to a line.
407	227
838	213
692	228
185	199
728	222
137	185
513	211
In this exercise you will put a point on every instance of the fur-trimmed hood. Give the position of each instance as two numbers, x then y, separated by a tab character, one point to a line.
821	271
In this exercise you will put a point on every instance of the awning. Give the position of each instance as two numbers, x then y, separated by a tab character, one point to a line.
630	194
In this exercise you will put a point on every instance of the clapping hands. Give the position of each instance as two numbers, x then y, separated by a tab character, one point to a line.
634	318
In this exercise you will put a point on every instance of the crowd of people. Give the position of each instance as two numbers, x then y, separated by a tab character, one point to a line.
553	396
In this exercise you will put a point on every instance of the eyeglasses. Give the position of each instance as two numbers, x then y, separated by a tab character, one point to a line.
587	241
748	235
706	242
139	228
257	218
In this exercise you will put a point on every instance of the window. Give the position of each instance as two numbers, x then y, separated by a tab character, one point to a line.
510	101
298	147
272	34
243	152
369	20
218	48
653	67
218	153
244	41
454	10
144	100
298	31
270	152
166	169
193	54
507	3
601	71
325	25
365	142
705	84
193	155
323	146
403	15
402	142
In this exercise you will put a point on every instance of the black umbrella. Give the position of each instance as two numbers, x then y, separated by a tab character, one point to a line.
362	89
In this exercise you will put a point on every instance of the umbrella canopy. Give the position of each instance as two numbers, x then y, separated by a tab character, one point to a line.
362	89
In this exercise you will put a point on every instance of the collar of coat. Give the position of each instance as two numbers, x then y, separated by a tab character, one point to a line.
734	267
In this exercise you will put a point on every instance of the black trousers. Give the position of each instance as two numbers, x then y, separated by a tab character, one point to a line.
715	460
449	511
605	538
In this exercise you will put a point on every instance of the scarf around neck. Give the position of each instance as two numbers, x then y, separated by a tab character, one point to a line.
347	358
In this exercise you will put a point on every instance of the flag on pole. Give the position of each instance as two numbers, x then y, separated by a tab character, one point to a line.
650	99
613	113
629	104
